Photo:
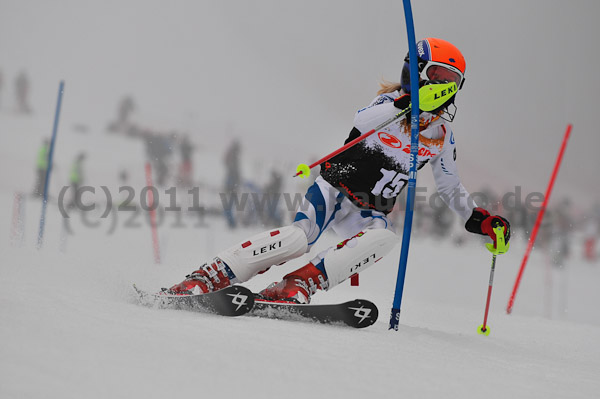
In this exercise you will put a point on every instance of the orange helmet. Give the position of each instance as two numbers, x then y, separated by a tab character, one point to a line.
437	60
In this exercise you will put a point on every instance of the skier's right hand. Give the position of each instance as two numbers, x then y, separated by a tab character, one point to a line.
402	102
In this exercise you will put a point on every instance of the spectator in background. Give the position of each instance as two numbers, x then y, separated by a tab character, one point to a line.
591	231
163	151
123	177
76	179
158	149
41	168
561	229
22	88
271	217
232	179
185	171
125	108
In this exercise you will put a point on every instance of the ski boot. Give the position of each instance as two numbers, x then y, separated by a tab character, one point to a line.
297	286
209	278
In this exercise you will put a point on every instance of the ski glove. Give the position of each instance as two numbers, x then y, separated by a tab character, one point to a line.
402	102
481	222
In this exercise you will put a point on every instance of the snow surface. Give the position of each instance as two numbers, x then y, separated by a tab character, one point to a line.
71	328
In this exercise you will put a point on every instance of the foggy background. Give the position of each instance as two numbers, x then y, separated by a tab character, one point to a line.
288	76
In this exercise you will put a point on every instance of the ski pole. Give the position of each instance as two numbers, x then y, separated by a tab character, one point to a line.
501	248
303	170
431	97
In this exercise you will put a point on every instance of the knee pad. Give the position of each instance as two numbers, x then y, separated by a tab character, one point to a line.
264	250
355	254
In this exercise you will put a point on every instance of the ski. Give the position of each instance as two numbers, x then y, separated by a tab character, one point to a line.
358	313
231	301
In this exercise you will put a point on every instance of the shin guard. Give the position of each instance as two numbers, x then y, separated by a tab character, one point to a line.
355	254
264	250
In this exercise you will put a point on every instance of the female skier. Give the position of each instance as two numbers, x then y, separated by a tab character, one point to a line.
355	192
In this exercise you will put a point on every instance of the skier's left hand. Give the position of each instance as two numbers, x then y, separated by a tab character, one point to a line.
481	222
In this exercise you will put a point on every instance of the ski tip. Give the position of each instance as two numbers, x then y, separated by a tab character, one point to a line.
365	313
357	313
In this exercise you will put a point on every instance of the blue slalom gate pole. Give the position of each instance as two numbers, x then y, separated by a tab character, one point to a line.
412	176
40	240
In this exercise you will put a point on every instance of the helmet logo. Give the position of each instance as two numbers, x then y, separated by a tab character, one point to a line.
451	60
389	140
421	49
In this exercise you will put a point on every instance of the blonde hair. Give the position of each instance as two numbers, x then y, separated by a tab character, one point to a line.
388	87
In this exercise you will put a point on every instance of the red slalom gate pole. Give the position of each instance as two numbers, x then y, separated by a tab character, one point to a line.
538	221
152	208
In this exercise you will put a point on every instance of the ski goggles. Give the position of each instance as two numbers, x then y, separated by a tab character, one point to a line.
438	71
